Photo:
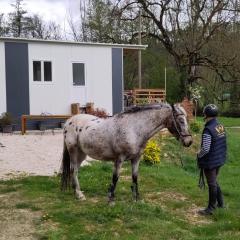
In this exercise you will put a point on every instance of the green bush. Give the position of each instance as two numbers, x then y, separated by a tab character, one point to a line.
6	119
151	152
195	126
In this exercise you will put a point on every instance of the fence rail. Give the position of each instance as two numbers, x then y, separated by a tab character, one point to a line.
144	96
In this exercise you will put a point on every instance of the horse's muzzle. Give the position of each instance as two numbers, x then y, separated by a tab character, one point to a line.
187	141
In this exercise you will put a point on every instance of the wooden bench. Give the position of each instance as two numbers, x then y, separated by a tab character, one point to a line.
24	119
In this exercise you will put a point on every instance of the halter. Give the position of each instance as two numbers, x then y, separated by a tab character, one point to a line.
175	124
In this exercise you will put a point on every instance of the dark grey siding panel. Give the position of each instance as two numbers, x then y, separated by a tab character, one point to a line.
17	78
117	79
49	124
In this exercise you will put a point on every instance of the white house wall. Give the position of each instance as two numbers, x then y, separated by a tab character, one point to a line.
56	97
49	97
2	79
98	63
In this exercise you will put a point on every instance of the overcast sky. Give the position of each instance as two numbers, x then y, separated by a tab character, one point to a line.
55	10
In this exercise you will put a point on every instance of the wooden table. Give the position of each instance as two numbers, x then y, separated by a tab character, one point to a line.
24	119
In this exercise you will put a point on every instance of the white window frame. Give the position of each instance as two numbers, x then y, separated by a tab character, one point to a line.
42	72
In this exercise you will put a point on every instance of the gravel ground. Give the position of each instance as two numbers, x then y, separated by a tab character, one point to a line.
32	154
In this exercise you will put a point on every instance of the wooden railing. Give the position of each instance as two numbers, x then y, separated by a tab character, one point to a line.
146	96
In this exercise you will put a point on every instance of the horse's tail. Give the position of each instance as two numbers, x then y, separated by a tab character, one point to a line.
66	169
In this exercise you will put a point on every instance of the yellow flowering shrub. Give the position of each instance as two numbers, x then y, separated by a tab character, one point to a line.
151	152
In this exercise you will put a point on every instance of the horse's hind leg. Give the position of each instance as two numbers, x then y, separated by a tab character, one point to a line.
116	170
77	157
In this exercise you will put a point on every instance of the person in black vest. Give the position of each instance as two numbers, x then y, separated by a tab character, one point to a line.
212	156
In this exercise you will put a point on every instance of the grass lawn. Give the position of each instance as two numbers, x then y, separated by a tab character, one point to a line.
230	122
169	192
226	121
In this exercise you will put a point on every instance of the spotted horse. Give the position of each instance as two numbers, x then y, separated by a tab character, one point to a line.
118	138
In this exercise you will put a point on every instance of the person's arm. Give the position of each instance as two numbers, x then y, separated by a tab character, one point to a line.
206	144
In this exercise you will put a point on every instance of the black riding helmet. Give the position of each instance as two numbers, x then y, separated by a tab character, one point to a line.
210	110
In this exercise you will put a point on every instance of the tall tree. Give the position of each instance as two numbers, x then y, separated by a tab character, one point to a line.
186	28
78	25
17	19
3	26
101	21
22	24
36	27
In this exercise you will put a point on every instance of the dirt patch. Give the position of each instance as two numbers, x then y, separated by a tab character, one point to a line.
90	228
164	197
189	213
19	222
194	218
93	199
126	178
16	223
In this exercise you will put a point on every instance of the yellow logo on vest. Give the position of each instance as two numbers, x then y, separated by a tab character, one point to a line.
220	129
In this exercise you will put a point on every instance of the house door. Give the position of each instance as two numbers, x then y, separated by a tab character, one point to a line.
79	89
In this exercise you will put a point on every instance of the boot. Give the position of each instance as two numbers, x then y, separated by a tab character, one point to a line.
206	211
211	202
220	202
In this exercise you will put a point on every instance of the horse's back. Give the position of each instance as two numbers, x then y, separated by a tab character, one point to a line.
79	120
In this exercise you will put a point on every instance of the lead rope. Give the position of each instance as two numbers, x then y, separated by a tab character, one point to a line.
181	160
201	182
178	131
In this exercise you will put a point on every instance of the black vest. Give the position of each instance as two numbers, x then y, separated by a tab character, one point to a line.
216	157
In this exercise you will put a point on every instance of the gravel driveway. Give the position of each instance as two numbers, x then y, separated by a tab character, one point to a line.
31	154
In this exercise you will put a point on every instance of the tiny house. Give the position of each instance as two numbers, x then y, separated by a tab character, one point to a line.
43	76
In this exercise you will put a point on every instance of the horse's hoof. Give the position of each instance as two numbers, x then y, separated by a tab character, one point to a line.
136	199
83	198
111	203
80	196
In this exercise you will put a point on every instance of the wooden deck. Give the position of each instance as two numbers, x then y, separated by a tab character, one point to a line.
146	96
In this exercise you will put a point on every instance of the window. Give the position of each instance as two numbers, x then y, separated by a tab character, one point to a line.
78	74
37	71
42	70
47	71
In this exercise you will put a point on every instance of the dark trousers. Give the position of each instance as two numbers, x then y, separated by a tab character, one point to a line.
215	193
211	176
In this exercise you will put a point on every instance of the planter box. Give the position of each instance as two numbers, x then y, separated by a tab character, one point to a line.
42	126
7	129
62	125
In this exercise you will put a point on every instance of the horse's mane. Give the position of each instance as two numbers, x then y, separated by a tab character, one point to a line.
141	108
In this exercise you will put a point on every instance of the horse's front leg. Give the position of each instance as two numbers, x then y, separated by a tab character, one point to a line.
116	170
134	187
